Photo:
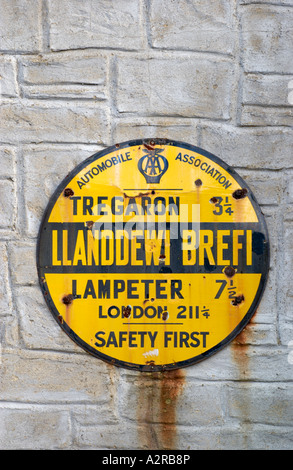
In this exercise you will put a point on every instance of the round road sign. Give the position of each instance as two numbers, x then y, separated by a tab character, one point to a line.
153	254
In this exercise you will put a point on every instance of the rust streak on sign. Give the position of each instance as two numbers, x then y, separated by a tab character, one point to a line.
153	255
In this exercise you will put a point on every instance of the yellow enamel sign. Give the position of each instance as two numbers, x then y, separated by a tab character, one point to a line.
153	254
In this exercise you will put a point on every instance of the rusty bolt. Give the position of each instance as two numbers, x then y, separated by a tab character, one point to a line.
165	315
240	193
229	271
149	145
198	182
237	300
67	299
213	200
68	192
90	224
126	311
150	363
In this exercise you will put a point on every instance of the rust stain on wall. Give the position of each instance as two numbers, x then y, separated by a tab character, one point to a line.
241	357
240	350
159	393
172	385
240	354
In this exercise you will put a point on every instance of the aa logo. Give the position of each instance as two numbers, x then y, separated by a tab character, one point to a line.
153	165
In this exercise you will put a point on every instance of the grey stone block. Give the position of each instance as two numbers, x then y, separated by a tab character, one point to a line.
197	26
175	87
76	25
20	26
266	35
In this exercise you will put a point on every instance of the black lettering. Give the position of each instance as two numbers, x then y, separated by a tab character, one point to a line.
131	289
117	210
174	206
163	206
132	207
150	309
112	340
176	286
184	336
102	166
144	205
75	199
88	203
138	309
194	338
89	290
101	312
122	337
132	339
101	205
101	342
104	289
204	334
147	282
180	314
152	338
75	295
160	289
115	310
167	338
142	335
119	286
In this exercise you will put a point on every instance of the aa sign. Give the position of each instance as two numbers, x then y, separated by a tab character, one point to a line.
153	254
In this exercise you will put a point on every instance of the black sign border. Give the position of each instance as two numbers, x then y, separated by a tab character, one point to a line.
153	367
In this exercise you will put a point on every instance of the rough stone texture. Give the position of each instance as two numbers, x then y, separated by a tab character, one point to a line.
175	87
65	77
197	27
7	204
265	100
44	168
266	90
249	148
26	427
20	25
263	406
38	122
75	77
7	163
53	378
109	24
167	128
8	85
266	33
5	292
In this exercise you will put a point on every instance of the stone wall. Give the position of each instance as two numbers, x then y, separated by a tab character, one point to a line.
76	77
